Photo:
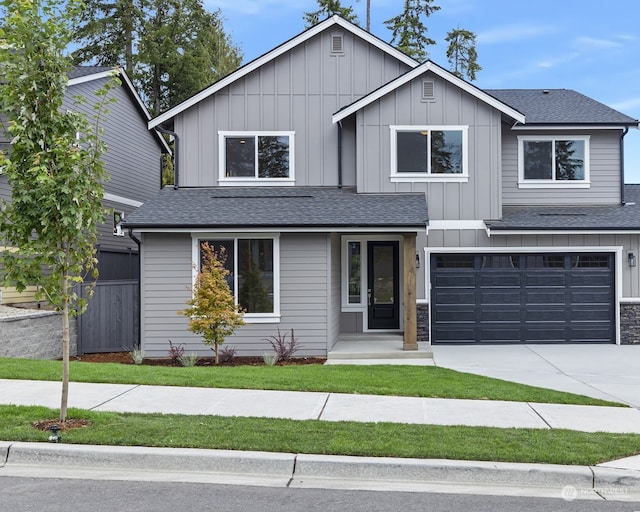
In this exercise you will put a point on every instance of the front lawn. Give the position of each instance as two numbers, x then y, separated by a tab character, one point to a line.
325	437
419	381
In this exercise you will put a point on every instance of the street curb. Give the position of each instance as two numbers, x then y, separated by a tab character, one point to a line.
295	469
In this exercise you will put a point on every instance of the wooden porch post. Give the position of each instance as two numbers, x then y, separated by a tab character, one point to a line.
410	341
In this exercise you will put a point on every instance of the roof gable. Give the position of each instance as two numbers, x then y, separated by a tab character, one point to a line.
418	71
276	52
82	74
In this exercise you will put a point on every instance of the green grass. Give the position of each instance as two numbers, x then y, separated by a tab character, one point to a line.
323	437
420	381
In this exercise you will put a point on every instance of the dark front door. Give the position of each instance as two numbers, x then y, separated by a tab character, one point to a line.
383	285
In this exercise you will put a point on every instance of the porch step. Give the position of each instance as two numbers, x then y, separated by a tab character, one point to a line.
378	347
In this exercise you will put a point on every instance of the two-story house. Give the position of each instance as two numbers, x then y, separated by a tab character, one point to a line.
356	190
132	160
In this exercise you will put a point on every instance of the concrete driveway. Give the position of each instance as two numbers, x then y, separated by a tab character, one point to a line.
610	372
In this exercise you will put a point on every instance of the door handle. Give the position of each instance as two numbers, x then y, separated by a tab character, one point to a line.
369	296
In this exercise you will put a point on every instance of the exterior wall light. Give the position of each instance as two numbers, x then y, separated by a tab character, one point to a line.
631	259
417	260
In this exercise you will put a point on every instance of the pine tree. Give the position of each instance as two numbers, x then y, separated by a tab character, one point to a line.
408	30
329	8
462	54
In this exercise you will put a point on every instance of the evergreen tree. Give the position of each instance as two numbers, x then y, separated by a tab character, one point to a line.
462	54
408	30
329	8
171	49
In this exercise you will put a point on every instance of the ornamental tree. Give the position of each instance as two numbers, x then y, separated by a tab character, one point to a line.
53	164
212	310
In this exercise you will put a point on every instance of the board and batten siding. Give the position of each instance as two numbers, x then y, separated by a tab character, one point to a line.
604	159
480	197
297	91
166	279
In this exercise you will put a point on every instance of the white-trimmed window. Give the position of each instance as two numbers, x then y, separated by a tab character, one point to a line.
256	158
253	263
560	161
429	153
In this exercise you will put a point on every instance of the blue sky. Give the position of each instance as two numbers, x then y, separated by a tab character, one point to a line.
591	46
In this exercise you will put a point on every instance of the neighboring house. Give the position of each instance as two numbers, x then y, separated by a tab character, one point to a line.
132	160
358	191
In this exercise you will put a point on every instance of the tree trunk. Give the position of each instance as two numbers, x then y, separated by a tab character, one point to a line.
65	350
368	15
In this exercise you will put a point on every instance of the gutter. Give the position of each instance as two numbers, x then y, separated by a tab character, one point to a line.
176	154
624	132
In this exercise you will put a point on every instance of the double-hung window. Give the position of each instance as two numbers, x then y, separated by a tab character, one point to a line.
254	272
256	158
429	153
553	161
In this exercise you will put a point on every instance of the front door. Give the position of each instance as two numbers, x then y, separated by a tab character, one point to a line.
383	292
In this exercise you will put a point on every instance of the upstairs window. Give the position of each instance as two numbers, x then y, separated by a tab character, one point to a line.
263	157
561	161
429	153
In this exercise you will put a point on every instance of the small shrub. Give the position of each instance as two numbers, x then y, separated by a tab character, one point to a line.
188	361
227	354
269	359
136	356
176	352
283	348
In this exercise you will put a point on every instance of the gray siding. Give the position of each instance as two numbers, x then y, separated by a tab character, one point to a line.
335	300
604	172
479	198
298	91
133	152
166	285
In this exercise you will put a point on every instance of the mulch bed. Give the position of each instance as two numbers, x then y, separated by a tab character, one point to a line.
125	358
70	423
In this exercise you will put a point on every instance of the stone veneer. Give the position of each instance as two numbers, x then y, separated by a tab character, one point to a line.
629	324
422	313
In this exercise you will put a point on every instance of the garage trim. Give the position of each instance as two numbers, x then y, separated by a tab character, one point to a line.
616	250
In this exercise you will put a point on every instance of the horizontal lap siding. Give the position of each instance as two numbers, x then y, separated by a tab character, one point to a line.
166	281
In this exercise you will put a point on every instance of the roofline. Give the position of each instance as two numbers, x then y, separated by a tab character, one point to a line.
584	126
125	78
417	71
276	52
566	231
274	227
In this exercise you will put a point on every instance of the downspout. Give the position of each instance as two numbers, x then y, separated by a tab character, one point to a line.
139	244
176	174
339	154
626	130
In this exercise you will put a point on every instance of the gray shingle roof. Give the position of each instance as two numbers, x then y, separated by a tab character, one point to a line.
278	207
560	106
568	218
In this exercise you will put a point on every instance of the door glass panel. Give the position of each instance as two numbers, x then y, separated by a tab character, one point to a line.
354	273
383	282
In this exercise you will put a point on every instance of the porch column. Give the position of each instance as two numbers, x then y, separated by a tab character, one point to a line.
410	341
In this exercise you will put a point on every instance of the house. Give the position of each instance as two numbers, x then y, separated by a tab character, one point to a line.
356	190
132	160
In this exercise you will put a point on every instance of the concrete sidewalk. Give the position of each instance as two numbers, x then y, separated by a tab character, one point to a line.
322	406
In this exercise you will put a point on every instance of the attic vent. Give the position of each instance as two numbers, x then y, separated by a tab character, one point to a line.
337	43
428	90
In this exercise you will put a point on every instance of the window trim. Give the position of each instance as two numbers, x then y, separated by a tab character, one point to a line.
250	318
255	180
554	183
396	176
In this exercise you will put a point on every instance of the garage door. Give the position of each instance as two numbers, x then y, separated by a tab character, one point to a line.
522	298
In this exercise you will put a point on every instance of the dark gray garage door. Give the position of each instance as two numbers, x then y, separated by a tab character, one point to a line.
522	298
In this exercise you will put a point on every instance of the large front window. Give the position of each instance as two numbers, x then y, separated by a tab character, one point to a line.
553	161
259	157
428	153
253	272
